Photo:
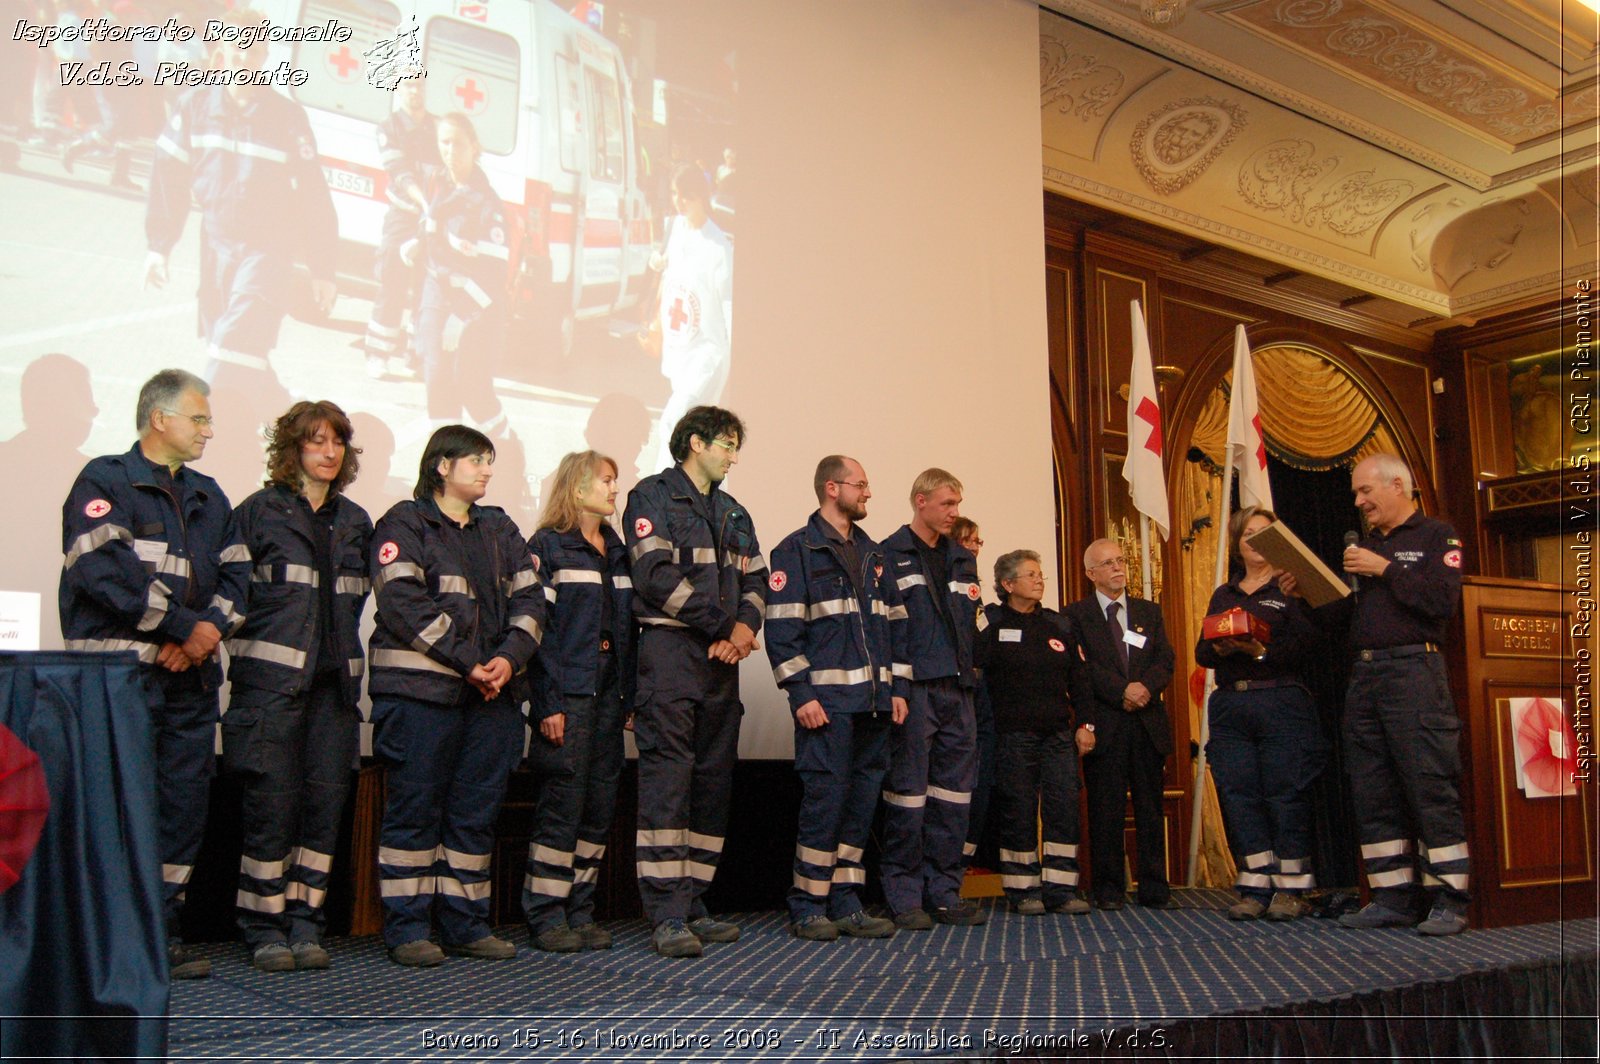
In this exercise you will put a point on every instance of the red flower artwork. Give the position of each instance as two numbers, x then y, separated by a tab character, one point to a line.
1545	746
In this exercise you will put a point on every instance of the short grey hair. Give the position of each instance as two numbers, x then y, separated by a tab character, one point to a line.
163	391
1392	467
1007	566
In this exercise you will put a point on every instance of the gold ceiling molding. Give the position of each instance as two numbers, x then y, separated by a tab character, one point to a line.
1378	44
1281	177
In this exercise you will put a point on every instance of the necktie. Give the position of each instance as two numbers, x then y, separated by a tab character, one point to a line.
1116	632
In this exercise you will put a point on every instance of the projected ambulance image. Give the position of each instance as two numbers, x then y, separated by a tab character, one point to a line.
517	286
554	110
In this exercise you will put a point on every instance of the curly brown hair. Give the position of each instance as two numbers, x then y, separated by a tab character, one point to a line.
296	428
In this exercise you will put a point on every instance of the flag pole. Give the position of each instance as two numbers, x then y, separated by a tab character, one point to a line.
1221	574
1144	556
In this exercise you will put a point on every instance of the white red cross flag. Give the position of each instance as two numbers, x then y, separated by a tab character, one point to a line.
1247	443
1143	469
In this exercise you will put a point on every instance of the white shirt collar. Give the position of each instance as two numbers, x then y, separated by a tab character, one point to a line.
1105	603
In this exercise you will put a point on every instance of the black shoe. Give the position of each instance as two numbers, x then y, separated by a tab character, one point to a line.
1165	903
594	936
417	954
913	920
487	948
961	914
186	965
272	957
859	925
310	956
558	938
1110	905
673	939
710	929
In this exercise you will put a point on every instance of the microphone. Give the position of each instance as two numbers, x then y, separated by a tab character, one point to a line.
1350	540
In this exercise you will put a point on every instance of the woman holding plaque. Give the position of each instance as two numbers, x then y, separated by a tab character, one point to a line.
1266	745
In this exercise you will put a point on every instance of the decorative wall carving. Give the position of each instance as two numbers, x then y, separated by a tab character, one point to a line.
1075	82
1283	176
1175	145
1365	40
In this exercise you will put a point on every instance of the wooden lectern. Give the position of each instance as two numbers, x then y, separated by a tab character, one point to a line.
1524	667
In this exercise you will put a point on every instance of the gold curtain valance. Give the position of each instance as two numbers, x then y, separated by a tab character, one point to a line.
1312	413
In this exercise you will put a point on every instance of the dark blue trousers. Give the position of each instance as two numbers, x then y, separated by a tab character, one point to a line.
577	795
447	772
1403	740
1036	787
294	756
927	795
1266	751
686	726
184	715
841	767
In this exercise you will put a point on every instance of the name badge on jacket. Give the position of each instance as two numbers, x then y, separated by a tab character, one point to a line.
1136	640
1011	635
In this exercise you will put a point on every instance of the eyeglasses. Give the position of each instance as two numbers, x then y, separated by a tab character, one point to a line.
1116	563
975	541
726	445
859	485
201	421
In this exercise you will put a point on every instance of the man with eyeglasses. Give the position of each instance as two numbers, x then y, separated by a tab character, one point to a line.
1125	665
153	564
835	637
699	589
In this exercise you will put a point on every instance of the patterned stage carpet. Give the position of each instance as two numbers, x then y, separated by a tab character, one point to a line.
1034	986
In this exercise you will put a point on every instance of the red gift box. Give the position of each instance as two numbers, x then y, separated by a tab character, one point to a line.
1237	623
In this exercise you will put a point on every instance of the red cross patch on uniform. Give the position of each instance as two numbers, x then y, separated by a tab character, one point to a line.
1453	559
307	152
777	580
1058	646
497	235
973	592
97	508
388	552
643	527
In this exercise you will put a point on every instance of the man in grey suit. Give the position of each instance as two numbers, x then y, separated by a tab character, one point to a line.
1125	665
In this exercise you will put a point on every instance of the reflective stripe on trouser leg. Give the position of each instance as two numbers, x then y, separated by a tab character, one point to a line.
1405	767
952	771
558	778
1016	812
1238	769
491	746
599	799
841	766
905	797
687	730
1058	816
1294	875
332	740
419	742
184	717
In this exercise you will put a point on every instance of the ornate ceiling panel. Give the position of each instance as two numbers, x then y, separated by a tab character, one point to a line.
1441	153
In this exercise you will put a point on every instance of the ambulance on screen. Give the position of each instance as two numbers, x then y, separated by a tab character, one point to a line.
552	105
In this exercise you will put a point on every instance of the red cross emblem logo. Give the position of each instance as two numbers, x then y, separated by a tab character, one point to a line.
973	592
1453	559
342	63
388	552
682	309
643	527
1058	646
778	580
474	100
97	508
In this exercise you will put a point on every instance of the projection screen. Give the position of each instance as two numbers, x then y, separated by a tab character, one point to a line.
874	168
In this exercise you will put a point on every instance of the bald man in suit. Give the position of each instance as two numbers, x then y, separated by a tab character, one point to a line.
1125	665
